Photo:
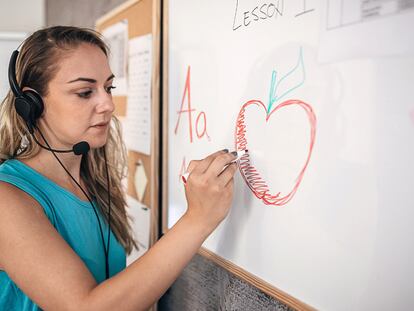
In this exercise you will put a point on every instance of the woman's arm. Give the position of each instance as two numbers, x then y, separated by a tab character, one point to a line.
42	264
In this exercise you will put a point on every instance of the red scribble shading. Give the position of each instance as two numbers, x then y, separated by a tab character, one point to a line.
250	175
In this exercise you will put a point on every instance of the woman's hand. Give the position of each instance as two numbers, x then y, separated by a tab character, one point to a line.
209	188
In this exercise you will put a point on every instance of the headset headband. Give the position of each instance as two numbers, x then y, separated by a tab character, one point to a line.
12	75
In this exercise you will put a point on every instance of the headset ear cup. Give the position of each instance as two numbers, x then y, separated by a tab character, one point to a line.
36	105
23	108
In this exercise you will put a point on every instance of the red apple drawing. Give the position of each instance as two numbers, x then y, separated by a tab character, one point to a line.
279	88
250	174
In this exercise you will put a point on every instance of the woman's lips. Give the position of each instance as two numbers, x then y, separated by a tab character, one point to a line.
101	125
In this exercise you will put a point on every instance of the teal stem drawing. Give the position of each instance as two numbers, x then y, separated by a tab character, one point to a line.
275	84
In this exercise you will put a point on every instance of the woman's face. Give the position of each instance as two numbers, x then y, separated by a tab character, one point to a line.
78	104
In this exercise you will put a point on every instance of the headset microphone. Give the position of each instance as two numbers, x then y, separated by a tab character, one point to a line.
81	148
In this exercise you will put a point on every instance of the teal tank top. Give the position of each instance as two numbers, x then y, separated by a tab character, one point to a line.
75	221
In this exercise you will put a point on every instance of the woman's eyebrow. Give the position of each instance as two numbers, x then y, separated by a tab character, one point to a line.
90	80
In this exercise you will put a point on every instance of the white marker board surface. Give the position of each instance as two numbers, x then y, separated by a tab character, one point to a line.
320	92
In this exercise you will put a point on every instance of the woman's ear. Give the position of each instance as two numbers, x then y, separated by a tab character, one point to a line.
36	100
26	88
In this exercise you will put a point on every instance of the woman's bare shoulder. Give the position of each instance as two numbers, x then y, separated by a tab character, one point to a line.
31	248
12	195
16	207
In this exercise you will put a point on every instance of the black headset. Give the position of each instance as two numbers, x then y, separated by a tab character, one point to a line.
29	106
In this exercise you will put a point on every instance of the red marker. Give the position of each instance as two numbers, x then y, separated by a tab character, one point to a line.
240	153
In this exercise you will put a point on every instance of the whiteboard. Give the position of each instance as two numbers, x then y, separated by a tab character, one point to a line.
320	93
9	41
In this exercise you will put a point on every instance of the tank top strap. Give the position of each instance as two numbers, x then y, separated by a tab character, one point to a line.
31	189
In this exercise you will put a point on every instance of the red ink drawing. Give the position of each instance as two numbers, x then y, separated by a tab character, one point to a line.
250	174
200	130
183	169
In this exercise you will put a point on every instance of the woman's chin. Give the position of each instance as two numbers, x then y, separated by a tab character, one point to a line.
97	143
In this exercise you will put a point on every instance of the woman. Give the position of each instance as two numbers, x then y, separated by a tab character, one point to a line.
55	216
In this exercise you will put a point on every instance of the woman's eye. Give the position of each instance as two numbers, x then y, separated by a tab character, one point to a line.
110	88
85	94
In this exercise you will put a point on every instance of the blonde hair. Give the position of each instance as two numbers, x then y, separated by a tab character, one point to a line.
37	64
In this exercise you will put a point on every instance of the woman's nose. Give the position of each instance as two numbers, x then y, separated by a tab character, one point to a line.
106	103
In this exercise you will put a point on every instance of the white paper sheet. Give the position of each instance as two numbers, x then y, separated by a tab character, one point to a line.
366	28
141	180
140	226
138	115
116	36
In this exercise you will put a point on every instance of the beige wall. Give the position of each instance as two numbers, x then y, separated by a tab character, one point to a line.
17	18
81	13
22	15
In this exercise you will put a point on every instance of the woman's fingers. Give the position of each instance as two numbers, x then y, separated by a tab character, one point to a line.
192	165
209	188
219	163
200	166
227	175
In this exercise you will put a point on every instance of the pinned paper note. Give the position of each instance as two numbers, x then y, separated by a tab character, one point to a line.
116	36
349	27
140	216
140	180
138	114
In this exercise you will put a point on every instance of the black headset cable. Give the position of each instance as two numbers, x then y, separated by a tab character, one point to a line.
90	201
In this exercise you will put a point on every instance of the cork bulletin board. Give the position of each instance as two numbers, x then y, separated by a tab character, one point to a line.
143	18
